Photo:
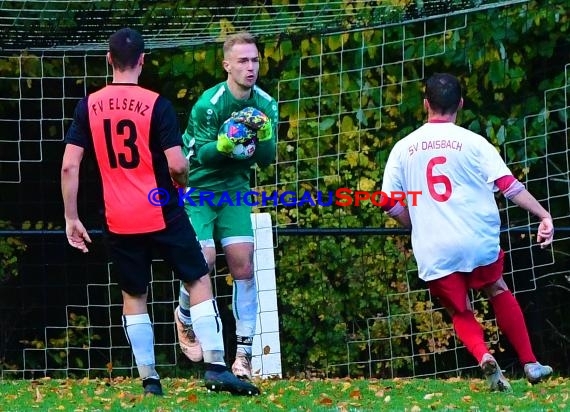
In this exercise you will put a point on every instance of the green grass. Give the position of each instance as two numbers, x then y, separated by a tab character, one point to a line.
412	395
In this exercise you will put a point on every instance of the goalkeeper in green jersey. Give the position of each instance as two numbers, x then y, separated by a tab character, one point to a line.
213	168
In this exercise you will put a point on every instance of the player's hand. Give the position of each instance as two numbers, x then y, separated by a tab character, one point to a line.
250	116
545	233
256	120
225	145
76	234
177	185
265	132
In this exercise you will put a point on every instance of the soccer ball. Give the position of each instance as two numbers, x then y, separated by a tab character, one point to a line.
242	136
252	117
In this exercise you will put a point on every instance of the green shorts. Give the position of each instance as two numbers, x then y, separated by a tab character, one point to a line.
226	222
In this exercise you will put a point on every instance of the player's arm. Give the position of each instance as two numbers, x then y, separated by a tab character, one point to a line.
168	131
403	217
74	229
267	139
208	148
72	157
177	166
391	183
211	156
516	192
77	139
396	209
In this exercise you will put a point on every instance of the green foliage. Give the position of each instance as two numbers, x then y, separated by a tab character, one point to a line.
76	336
328	286
11	248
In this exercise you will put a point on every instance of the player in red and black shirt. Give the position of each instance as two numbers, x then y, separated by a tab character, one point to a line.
135	137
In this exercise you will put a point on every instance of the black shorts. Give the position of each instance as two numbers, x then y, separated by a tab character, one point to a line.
177	244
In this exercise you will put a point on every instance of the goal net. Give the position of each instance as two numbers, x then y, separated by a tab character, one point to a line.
53	53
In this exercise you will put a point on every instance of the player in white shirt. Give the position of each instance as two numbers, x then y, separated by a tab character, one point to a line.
455	223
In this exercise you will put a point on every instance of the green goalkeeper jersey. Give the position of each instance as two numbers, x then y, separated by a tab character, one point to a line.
210	170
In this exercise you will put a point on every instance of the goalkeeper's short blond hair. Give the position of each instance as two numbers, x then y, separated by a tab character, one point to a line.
238	38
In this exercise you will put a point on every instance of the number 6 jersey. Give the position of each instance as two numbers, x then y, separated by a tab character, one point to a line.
129	127
455	221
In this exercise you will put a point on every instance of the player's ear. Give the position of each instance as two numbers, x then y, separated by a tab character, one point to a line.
109	60
226	65
141	59
460	104
426	104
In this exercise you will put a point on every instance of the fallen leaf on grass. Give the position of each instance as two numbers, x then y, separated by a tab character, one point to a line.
342	407
474	387
39	396
380	393
355	394
325	400
191	398
429	396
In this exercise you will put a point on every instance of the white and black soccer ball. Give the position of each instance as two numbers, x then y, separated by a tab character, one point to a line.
244	150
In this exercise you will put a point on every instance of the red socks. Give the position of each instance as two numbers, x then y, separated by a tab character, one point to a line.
511	322
470	332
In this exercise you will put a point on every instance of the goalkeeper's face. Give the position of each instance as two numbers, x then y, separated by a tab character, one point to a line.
242	65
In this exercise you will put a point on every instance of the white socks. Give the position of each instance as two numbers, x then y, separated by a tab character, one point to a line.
138	330
244	305
184	304
207	326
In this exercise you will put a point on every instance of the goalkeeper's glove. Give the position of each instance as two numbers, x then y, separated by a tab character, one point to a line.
225	145
256	120
264	132
251	117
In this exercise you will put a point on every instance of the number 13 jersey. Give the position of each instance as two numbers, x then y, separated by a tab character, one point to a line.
129	128
455	221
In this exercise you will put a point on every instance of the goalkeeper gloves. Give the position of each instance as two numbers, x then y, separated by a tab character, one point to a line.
256	120
265	131
224	144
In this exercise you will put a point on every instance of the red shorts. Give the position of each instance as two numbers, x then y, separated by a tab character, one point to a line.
452	290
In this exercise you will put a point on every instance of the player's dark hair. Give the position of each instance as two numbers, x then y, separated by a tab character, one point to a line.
126	45
443	92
